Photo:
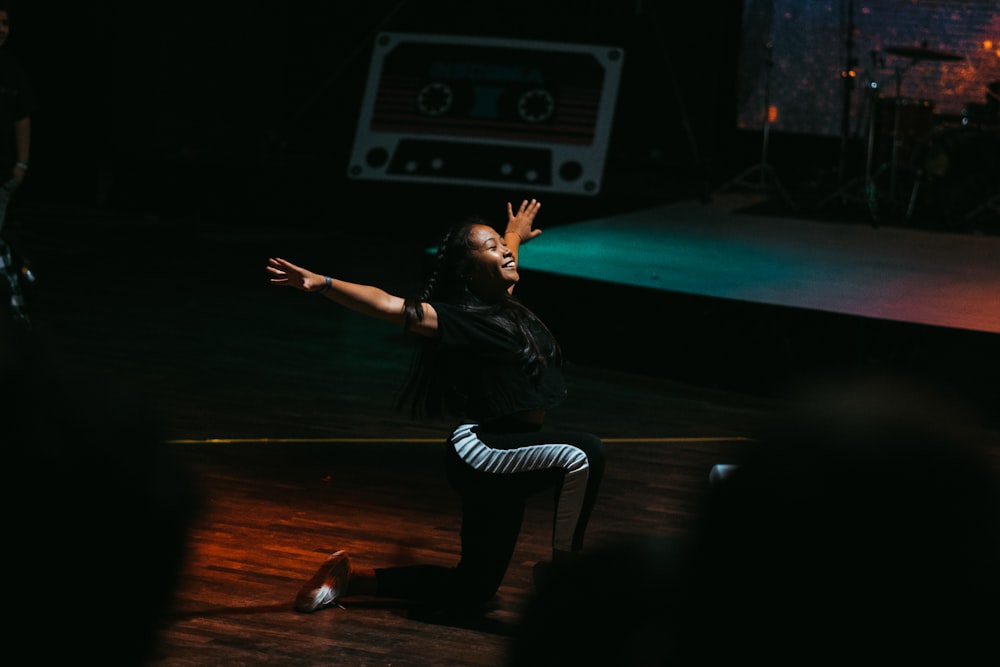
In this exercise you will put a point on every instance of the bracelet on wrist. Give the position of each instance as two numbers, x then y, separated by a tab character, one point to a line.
23	164
327	283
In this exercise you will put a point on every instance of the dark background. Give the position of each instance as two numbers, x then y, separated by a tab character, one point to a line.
245	112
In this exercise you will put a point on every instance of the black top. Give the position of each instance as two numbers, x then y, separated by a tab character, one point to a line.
16	102
486	368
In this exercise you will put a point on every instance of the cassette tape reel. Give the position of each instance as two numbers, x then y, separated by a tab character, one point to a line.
487	111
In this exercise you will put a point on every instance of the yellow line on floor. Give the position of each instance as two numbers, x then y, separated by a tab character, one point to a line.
217	441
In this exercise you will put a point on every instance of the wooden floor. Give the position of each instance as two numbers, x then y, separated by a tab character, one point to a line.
283	407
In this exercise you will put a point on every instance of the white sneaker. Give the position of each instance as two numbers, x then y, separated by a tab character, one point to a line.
326	586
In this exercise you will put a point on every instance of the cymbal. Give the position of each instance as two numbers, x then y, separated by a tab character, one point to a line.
922	53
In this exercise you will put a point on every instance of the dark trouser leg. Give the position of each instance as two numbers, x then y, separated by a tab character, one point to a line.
489	535
491	523
593	447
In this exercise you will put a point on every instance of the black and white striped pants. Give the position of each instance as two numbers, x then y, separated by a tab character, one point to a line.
495	473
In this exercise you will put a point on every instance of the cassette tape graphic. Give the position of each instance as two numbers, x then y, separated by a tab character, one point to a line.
485	111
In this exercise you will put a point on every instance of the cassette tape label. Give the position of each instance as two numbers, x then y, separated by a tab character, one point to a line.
479	111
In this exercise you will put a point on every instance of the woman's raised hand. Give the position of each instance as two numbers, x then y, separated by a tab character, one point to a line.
520	223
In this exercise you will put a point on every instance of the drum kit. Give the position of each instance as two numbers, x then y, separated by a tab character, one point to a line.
919	164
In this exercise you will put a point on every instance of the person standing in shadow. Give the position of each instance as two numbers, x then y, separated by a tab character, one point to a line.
99	512
17	102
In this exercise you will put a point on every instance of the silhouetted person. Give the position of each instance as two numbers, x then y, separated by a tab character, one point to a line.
863	529
614	605
99	509
17	101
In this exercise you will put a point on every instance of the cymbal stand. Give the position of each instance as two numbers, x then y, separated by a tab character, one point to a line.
767	180
896	140
992	203
847	81
867	197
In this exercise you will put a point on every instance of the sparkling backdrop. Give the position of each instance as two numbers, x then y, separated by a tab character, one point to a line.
812	42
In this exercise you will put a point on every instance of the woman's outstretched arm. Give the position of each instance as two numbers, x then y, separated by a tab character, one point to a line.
365	299
519	228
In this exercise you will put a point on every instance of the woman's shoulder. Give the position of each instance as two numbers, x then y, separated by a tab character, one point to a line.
471	323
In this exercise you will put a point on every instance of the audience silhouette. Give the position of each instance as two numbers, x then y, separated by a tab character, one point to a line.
99	507
864	526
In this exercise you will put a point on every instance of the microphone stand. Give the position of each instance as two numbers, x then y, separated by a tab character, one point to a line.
847	77
866	181
767	180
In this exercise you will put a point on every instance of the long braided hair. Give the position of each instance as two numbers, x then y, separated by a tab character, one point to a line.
429	388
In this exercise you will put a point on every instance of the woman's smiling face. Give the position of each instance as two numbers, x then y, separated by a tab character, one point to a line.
493	267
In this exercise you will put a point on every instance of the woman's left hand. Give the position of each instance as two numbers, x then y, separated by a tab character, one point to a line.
285	274
521	222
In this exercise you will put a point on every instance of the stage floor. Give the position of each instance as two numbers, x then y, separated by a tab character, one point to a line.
889	273
700	293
